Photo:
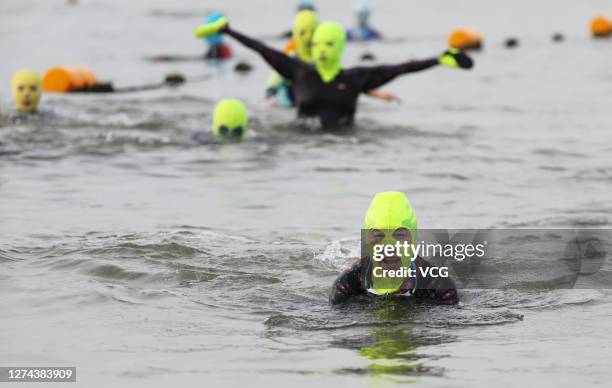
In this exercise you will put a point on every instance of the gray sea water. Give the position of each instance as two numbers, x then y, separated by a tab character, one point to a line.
146	260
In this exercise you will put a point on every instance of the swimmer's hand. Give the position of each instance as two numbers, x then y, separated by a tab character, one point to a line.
456	58
213	28
388	97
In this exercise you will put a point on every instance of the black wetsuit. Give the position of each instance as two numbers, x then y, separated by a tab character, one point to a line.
334	103
352	282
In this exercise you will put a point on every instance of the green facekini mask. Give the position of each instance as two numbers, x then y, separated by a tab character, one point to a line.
388	212
304	25
327	46
230	120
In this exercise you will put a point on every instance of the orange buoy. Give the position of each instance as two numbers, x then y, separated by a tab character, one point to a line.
465	39
601	27
63	79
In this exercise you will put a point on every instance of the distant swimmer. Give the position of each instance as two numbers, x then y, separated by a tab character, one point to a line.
391	219
27	89
324	90
362	31
306	5
217	48
303	5
304	26
230	122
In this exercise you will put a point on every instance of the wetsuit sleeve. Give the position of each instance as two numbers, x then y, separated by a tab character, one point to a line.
376	76
283	64
435	289
348	284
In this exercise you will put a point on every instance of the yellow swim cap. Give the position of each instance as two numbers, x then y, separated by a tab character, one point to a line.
391	210
230	120
26	90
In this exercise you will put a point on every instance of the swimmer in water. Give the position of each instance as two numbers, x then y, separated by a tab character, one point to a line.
362	31
391	219
279	88
27	89
324	90
304	25
217	48
303	5
230	122
306	5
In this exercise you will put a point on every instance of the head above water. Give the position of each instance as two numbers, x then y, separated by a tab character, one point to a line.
26	86
391	210
213	40
306	5
328	44
390	219
230	120
362	12
304	26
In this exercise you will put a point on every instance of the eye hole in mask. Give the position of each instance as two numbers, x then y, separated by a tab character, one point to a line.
237	132
375	236
401	234
227	132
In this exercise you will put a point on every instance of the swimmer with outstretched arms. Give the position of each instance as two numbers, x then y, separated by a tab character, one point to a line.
324	90
390	220
304	26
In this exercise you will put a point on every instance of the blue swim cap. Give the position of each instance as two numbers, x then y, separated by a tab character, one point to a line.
362	10
306	4
214	39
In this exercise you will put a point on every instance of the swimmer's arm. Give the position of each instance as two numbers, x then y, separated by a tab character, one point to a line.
375	77
348	284
283	64
442	295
